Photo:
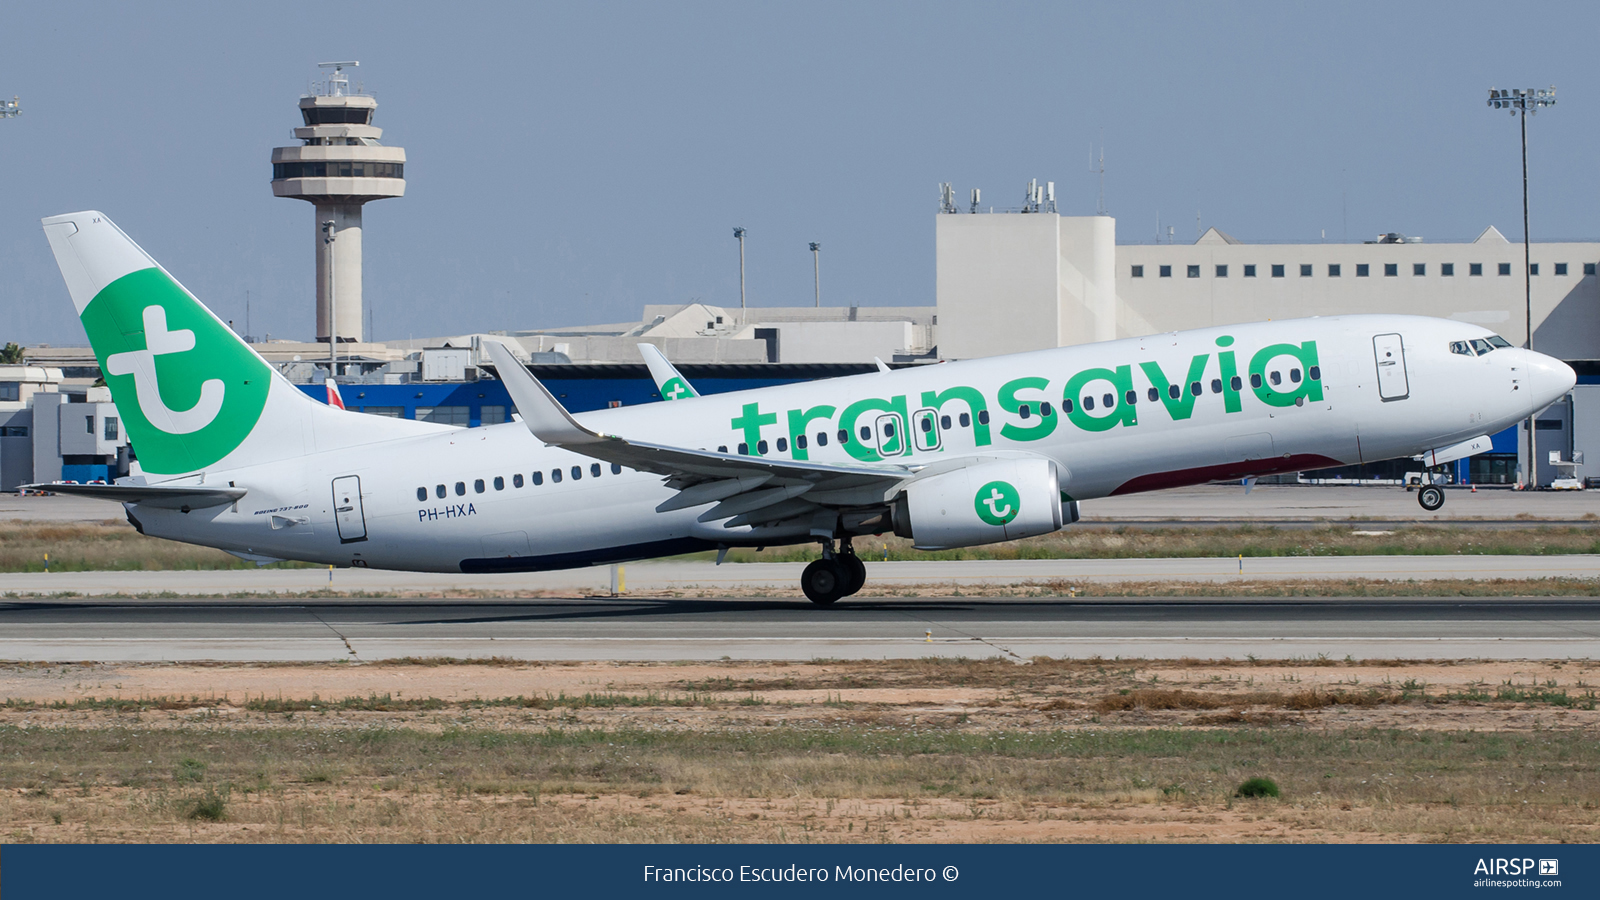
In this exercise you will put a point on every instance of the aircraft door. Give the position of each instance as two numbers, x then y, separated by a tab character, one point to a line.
1390	353
347	512
890	432
925	429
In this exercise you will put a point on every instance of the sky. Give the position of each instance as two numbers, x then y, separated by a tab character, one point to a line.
569	163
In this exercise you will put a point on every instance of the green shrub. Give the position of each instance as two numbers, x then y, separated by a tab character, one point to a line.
211	806
1258	787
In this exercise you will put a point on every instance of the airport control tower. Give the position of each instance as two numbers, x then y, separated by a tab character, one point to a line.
339	166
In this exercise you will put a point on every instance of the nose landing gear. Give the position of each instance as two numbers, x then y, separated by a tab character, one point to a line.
833	576
1431	497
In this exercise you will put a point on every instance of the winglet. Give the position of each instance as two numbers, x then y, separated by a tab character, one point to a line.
883	368
672	385
544	415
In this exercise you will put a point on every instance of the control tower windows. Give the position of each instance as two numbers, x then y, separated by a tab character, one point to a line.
337	115
337	169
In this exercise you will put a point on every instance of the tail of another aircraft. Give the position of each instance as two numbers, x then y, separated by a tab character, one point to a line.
191	393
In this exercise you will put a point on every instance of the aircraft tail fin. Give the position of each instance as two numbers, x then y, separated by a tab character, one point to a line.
669	383
191	393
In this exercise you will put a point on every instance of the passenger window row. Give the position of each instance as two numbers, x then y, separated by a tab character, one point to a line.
499	483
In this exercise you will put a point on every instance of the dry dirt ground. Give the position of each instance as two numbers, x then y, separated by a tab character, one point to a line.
435	750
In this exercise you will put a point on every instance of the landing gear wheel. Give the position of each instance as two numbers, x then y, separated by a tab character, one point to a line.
855	572
1431	497
824	581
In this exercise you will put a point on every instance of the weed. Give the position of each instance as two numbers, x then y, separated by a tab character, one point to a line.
1258	786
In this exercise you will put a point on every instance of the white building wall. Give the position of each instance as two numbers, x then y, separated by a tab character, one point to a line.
842	342
999	283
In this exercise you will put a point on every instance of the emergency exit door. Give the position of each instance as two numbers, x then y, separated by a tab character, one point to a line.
347	513
1390	352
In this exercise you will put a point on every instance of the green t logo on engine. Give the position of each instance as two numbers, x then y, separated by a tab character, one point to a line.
997	503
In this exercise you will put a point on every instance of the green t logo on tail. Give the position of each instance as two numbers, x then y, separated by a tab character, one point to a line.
188	391
676	388
997	503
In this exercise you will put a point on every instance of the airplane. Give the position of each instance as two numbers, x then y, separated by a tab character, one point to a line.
234	456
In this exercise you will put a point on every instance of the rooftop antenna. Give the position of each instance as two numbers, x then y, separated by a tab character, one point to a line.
1100	210
1197	231
977	197
947	198
337	83
1050	196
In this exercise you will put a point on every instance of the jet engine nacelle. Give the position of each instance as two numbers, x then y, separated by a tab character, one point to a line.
999	500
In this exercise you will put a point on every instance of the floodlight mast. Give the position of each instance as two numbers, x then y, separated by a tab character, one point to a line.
1527	102
739	233
816	269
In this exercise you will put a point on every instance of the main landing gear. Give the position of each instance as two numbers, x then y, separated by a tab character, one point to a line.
835	575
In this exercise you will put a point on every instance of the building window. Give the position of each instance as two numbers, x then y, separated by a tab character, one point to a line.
10	390
1277	271
1447	269
1222	271
388	412
459	416
1561	268
1390	270
1249	271
13	431
1474	268
1166	271
111	428
1305	271
1588	268
1533	269
1333	270
1505	268
1419	268
491	415
1363	270
1138	271
1194	271
88	424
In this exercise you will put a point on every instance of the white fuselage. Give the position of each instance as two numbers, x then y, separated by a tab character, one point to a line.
1327	403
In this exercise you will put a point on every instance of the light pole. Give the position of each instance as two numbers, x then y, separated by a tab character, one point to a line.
816	269
739	233
1526	102
329	232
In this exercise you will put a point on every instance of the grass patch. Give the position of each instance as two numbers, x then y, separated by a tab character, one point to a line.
1258	787
105	546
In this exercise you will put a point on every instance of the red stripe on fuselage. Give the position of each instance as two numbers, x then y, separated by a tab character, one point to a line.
1156	481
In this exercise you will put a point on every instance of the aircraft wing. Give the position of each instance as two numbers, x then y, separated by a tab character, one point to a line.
672	385
748	490
176	496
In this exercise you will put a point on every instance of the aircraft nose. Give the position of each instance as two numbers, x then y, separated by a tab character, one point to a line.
1549	378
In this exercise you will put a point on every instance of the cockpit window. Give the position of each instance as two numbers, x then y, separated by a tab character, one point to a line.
1498	342
1461	347
1482	346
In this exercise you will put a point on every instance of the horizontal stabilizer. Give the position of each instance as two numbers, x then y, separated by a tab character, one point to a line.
179	496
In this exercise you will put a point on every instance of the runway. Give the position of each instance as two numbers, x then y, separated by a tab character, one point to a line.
735	579
763	629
